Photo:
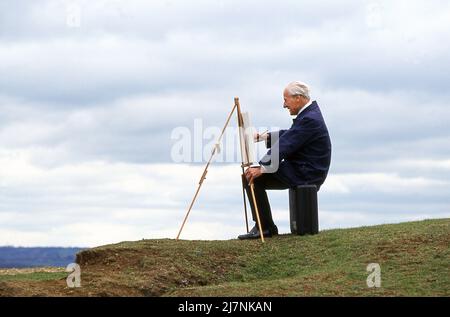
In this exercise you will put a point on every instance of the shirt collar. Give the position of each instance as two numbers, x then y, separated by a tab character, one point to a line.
304	107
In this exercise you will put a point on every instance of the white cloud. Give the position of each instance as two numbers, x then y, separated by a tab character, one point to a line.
101	202
87	113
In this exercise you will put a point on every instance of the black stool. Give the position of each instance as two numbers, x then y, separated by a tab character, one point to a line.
303	210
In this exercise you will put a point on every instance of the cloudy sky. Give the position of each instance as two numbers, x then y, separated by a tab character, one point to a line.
92	94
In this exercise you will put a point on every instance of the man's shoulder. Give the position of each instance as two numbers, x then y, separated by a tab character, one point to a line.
312	112
309	118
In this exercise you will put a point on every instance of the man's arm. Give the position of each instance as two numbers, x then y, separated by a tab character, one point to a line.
269	137
290	141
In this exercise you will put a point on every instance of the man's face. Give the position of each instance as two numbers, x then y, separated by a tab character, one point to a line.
293	103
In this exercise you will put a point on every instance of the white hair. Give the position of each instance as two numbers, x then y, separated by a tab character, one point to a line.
297	88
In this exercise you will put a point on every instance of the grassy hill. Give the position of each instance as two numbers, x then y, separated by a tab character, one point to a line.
414	259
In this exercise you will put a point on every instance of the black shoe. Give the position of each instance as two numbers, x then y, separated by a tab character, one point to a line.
254	234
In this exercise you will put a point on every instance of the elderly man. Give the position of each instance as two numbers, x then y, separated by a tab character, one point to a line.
298	156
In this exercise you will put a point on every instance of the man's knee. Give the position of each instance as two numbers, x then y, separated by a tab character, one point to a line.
259	182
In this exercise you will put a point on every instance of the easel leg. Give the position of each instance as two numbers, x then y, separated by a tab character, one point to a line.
245	200
189	210
245	159
204	172
252	189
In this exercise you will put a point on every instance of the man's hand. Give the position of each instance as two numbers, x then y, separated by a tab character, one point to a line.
252	173
258	137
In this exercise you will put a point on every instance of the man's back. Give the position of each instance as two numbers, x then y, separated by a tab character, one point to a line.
304	149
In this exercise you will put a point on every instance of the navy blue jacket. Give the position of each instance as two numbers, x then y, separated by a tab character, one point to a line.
304	150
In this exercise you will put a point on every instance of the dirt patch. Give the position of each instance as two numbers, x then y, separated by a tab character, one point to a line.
146	270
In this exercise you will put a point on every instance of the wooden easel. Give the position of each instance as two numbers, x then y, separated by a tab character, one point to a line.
245	163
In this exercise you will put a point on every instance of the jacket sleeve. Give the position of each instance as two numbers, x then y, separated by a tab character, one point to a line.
269	137
291	141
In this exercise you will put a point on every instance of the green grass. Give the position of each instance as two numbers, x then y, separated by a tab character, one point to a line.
36	276
414	259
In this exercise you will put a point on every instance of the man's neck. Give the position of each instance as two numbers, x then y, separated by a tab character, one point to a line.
303	108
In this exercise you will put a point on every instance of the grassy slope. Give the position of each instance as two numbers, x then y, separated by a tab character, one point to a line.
36	276
414	259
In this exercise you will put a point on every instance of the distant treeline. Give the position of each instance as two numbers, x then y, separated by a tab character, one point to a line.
11	257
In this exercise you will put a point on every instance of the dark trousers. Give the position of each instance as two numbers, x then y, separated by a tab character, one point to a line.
265	181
